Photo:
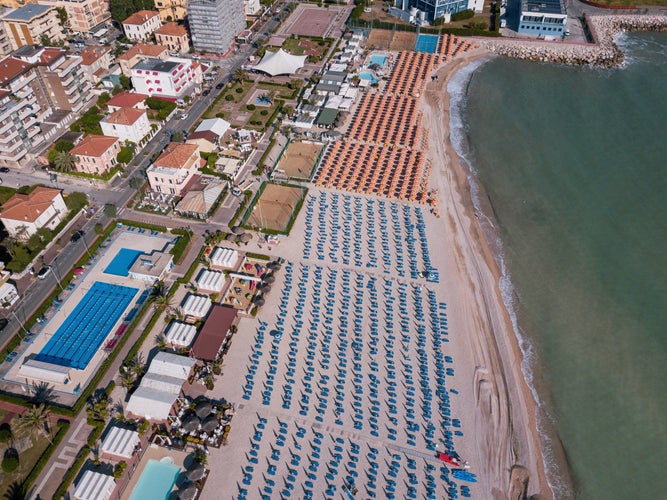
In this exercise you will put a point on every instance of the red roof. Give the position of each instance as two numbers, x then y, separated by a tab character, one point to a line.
214	332
126	99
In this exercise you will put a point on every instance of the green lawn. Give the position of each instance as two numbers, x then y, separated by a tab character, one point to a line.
6	193
27	458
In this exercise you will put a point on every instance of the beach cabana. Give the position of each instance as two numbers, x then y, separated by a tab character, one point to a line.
94	486
210	281
196	306
120	442
225	258
180	334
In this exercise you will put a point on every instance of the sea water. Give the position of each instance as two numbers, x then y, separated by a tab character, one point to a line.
574	163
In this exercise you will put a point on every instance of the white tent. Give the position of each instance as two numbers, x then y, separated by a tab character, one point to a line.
180	334
166	363
224	257
120	442
196	305
41	370
216	125
94	486
280	63
151	404
164	383
210	281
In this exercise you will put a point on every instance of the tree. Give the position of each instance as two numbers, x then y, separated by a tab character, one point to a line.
127	378
239	75
136	182
199	456
177	137
136	365
63	145
124	155
35	421
16	491
161	342
110	210
125	82
98	406
42	392
64	161
103	99
99	228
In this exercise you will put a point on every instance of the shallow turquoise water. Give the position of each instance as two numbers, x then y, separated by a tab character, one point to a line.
574	163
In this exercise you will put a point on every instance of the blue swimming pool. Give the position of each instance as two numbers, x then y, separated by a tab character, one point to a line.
122	262
79	337
156	481
367	75
378	59
427	43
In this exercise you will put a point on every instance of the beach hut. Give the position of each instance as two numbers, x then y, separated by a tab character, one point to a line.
196	306
180	334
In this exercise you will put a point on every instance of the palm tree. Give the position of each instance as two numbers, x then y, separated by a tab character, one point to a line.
43	392
35	421
127	378
160	297
21	233
161	342
98	406
64	161
136	365
16	491
239	75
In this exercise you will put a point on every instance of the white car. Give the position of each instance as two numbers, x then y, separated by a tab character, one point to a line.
184	116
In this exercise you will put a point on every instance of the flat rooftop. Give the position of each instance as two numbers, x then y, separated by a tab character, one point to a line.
543	6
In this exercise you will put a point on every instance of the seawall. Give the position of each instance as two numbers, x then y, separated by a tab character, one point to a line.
603	51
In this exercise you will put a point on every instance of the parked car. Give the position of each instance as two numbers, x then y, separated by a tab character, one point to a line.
3	323
4	170
184	116
44	272
219	86
76	235
206	92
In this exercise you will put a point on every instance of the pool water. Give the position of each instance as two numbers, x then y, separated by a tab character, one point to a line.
427	43
366	75
122	262
79	337
156	481
378	59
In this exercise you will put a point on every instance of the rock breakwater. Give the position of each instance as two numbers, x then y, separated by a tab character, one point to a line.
602	52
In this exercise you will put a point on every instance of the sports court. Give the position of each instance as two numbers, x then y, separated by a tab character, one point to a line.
276	207
311	21
299	159
427	43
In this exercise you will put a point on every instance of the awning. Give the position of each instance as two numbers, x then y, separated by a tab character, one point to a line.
120	442
94	486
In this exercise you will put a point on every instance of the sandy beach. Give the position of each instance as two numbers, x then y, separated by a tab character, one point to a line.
506	449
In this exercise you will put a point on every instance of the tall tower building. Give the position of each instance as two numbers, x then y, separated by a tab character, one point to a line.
215	23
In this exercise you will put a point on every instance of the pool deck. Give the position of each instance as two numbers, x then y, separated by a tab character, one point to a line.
83	282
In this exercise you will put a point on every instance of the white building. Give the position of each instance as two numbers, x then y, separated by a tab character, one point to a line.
141	25
251	7
94	486
180	334
196	306
23	214
224	258
171	78
210	281
128	124
120	442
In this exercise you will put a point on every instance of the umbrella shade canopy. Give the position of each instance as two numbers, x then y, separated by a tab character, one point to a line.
210	424
196	473
238	230
245	237
187	492
270	279
274	266
230	237
265	289
190	423
203	409
260	301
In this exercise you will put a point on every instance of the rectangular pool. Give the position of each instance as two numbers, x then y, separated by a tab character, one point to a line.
83	331
427	43
122	262
378	59
156	481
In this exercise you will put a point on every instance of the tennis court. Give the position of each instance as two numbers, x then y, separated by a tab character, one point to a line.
427	43
122	262
79	337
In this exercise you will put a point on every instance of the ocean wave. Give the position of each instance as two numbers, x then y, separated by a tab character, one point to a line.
458	91
640	47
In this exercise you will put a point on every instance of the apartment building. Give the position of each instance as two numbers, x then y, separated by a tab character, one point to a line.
96	61
128	124
23	214
172	78
5	46
174	168
138	52
82	15
171	10
96	154
141	25
27	25
174	37
214	24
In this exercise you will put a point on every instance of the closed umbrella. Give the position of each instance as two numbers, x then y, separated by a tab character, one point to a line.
203	409
196	473
210	424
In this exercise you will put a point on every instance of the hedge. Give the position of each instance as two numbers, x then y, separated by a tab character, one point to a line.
143	225
181	244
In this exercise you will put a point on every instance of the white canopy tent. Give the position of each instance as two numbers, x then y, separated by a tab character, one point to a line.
224	257
280	63
41	370
166	363
196	305
151	404
94	486
120	442
180	334
210	281
164	383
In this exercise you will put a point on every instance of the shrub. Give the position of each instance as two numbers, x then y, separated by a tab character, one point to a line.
251	107
464	14
219	115
264	112
5	433
230	97
238	90
110	210
10	463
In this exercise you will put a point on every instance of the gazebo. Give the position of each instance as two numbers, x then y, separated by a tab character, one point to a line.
280	63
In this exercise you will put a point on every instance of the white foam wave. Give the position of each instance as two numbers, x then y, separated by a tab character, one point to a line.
458	89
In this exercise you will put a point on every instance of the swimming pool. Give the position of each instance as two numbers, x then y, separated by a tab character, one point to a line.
378	59
122	262
427	43
367	75
156	481
81	334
